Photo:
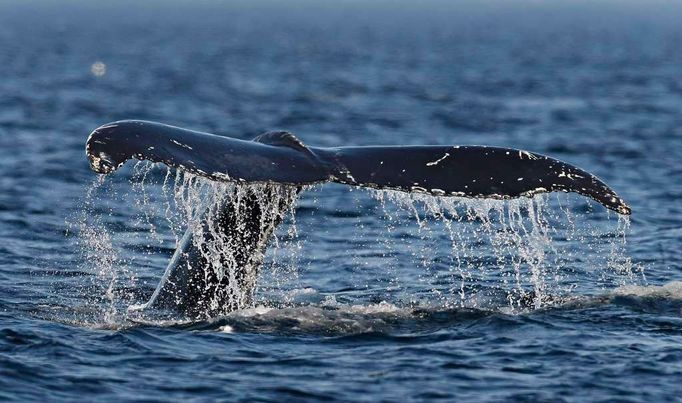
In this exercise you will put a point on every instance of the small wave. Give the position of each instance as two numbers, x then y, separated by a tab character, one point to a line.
331	318
334	319
383	317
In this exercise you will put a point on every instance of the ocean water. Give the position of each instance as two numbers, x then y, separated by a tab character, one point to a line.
365	295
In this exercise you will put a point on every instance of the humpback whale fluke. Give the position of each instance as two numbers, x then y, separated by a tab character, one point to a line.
245	221
279	157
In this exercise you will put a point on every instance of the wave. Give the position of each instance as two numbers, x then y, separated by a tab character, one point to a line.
330	318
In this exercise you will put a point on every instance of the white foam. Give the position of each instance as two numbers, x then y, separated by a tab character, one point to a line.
671	290
381	307
255	311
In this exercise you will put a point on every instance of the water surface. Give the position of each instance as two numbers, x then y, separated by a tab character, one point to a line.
366	296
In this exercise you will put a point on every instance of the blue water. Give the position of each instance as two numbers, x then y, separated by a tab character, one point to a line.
363	298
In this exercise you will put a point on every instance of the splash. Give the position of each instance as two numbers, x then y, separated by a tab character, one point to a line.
231	225
98	255
167	204
535	246
470	253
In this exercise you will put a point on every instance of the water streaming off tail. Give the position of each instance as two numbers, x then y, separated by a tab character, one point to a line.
528	249
128	249
453	252
231	226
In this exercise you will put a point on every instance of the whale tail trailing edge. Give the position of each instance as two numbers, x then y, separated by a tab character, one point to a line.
469	171
279	157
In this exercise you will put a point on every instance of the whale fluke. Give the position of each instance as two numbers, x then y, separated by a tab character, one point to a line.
279	157
246	221
469	171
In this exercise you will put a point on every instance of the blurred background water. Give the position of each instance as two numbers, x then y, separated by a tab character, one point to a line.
360	301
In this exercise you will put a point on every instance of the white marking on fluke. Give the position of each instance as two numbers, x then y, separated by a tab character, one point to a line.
221	175
527	154
182	145
436	162
569	175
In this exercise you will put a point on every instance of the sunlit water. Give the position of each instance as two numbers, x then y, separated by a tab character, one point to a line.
364	295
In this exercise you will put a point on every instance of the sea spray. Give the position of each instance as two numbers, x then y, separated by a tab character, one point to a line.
529	244
223	252
99	256
526	249
166	203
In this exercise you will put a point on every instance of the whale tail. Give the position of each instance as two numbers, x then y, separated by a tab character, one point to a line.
280	158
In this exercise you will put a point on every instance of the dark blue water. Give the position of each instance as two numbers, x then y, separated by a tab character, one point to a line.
360	300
